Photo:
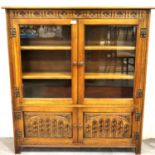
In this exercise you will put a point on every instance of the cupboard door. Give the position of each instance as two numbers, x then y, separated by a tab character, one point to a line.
107	59
50	126
46	59
106	126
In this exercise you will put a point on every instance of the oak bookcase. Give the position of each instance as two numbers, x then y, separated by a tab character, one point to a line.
78	76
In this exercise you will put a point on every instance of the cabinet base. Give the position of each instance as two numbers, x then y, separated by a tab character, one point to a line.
75	146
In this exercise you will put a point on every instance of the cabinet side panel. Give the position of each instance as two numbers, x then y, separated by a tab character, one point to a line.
144	24
11	68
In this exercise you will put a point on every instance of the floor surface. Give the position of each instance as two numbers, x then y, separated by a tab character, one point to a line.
6	148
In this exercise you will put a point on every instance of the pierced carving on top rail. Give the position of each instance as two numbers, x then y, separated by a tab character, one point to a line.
77	13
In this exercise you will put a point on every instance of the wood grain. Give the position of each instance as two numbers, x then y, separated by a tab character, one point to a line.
108	48
46	75
46	48
105	76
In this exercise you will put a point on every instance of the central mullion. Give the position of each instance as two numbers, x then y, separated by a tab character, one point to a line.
74	41
81	59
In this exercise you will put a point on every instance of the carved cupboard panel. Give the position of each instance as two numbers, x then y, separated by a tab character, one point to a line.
48	125
107	125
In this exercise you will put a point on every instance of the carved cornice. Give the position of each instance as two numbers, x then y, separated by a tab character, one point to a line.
77	13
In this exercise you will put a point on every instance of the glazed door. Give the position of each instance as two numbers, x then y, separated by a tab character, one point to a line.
107	60
45	54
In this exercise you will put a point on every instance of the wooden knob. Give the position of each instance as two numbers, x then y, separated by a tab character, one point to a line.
81	63
74	63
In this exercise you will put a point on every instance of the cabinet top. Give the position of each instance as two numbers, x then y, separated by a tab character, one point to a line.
78	7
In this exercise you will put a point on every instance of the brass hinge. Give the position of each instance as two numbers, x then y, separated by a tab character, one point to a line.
17	115
143	32
137	116
17	93
12	32
139	93
136	136
19	134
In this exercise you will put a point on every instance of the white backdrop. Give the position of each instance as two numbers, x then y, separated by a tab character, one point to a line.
5	100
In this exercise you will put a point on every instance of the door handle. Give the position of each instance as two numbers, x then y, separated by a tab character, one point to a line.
81	63
74	63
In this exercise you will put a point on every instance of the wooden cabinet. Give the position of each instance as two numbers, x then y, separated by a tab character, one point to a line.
78	76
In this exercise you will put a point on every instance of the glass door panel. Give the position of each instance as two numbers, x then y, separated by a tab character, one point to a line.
110	35
109	61
46	61
45	35
46	57
108	88
47	88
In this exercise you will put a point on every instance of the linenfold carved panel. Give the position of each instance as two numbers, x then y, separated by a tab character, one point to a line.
48	125
77	13
103	125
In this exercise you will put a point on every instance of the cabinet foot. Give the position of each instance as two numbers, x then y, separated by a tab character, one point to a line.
138	150
17	150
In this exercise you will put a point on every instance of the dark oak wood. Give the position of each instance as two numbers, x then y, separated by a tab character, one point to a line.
59	98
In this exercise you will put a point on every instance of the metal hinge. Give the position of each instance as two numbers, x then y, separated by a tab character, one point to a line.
136	136
143	32
12	32
17	93
137	116
19	134
17	115
139	93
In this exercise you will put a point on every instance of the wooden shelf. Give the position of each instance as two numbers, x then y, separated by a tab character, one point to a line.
69	76
98	47
45	47
46	76
108	76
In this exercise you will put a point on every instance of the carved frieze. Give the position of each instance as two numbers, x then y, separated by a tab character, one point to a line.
48	125
97	125
77	13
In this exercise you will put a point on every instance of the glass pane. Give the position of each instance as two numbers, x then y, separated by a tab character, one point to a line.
47	88
45	35
46	61
110	35
110	62
108	88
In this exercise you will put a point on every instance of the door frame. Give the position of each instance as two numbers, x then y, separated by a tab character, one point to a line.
107	142
18	65
81	60
45	140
